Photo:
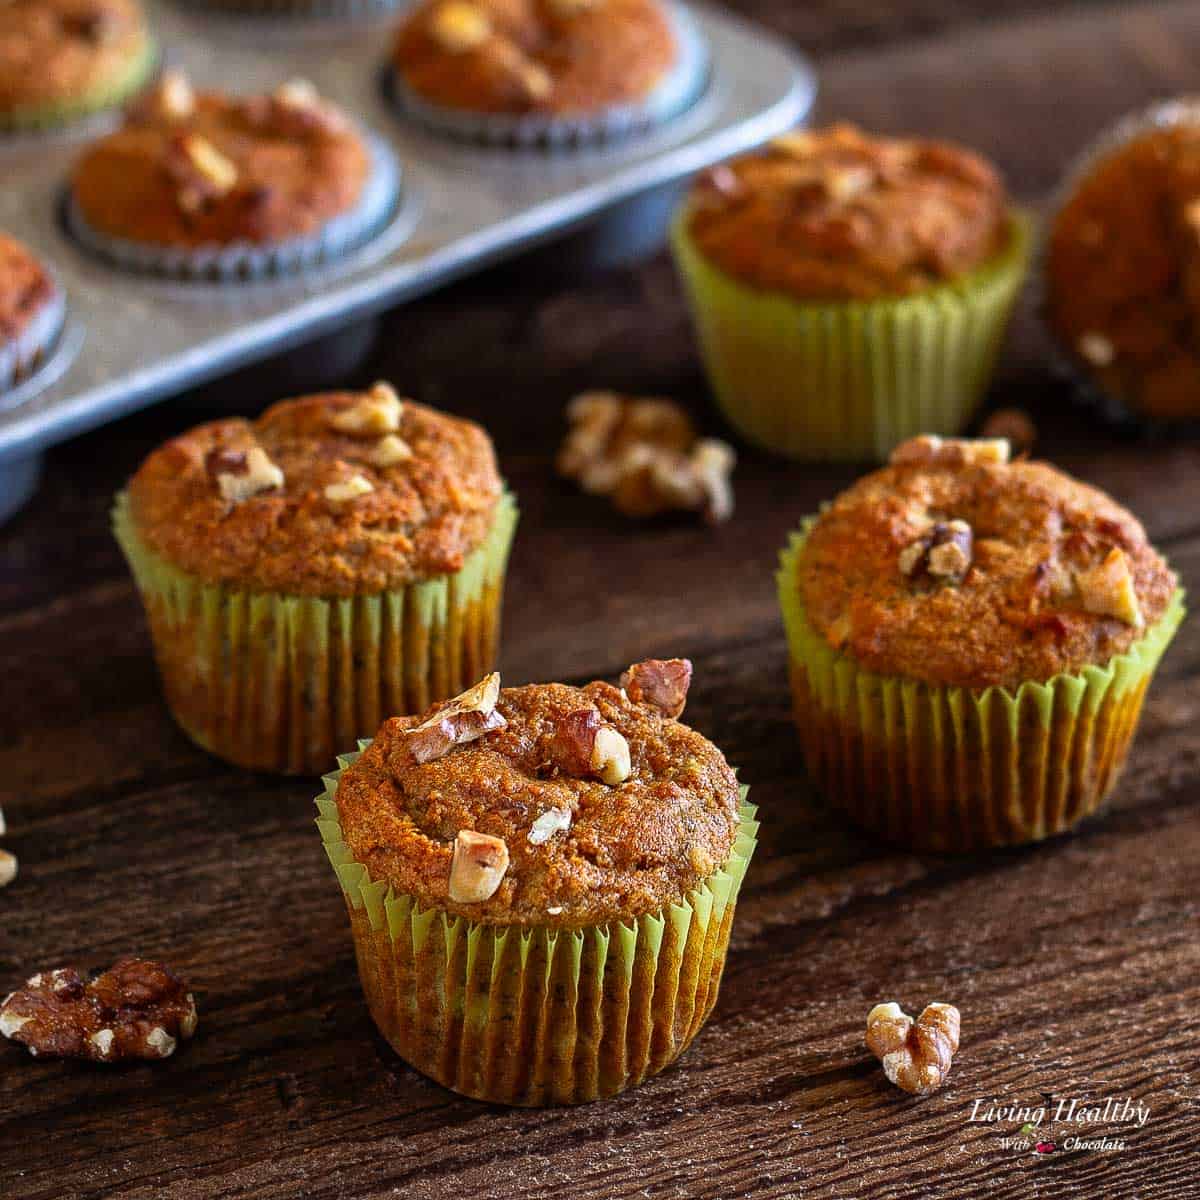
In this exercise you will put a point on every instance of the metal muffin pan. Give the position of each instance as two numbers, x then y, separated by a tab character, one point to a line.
131	339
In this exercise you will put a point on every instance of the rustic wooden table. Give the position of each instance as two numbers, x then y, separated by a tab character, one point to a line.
1075	964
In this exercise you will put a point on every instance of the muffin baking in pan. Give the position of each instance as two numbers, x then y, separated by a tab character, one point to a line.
32	310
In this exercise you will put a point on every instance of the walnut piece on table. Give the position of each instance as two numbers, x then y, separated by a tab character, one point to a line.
645	455
915	1054
137	1009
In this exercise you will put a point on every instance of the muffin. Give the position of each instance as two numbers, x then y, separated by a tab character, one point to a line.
305	574
31	312
551	71
541	883
970	640
203	184
1122	266
63	59
849	291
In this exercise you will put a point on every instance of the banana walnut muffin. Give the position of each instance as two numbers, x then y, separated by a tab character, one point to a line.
587	825
997	621
306	573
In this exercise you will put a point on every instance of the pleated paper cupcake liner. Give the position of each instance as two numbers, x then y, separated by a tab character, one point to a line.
38	118
22	355
684	84
848	381
283	683
252	261
952	769
537	1015
1087	388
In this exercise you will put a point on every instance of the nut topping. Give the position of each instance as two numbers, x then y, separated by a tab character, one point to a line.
459	27
552	821
376	414
138	1009
930	450
584	745
1108	589
477	867
458	721
246	476
349	489
915	1055
390	450
218	172
943	553
1096	349
8	868
660	683
173	98
645	455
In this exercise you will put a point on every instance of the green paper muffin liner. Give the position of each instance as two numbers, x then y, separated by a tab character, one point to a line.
283	683
536	1015
113	92
848	381
956	769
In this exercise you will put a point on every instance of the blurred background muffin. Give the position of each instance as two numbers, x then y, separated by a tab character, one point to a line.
560	867
209	184
32	308
1122	270
545	70
305	575
62	59
971	640
849	291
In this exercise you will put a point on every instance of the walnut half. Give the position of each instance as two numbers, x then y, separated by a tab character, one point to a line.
915	1054
138	1009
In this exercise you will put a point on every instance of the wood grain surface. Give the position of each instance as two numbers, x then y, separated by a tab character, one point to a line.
1075	964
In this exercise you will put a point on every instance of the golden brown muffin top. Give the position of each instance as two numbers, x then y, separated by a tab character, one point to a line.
535	56
25	287
340	494
1123	273
203	168
58	50
576	850
954	567
836	214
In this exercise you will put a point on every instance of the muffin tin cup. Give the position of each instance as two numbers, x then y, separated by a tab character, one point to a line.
951	769
848	381
682	87
537	1015
48	117
1089	390
250	261
22	355
283	683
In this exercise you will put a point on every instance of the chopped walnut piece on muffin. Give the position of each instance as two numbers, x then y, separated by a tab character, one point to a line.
193	169
554	56
837	214
137	1009
645	455
597	806
955	566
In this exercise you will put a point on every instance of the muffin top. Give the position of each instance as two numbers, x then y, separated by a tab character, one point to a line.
1123	273
535	56
193	168
25	287
332	495
838	215
60	50
954	566
547	804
